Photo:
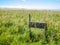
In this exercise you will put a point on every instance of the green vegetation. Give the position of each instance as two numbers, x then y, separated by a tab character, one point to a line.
14	29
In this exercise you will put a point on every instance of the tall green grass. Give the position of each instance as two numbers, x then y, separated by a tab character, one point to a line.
14	27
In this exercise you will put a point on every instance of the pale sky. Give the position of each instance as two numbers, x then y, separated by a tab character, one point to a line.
31	4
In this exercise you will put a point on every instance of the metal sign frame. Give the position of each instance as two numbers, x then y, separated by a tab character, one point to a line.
37	25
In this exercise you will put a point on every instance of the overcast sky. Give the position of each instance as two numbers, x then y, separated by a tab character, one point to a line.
31	4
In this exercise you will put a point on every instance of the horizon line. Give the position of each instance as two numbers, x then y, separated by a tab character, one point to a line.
29	7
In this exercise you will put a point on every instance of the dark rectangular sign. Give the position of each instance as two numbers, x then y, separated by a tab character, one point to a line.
37	25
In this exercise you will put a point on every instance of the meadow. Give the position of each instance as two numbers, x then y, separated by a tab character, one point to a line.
14	27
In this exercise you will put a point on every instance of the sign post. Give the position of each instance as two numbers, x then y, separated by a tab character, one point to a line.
37	25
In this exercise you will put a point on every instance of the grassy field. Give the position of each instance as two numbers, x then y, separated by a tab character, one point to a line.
14	29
